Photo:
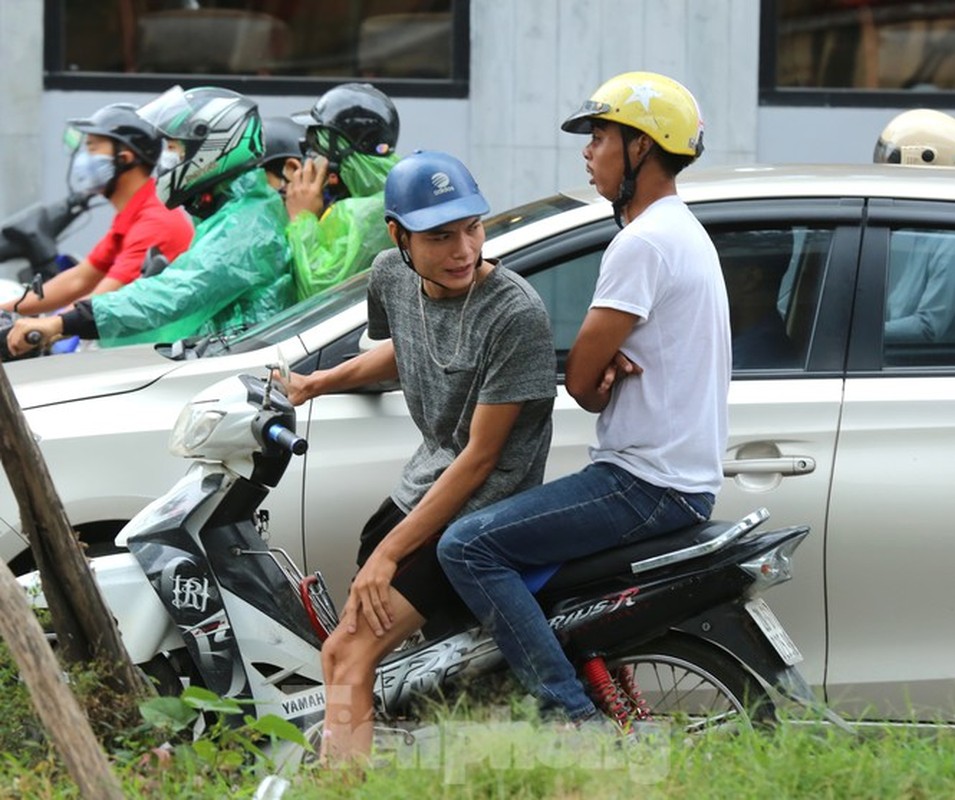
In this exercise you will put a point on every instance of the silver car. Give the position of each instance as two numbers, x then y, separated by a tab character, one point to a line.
842	409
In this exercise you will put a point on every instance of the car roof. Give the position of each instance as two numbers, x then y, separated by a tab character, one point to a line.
702	184
752	182
817	180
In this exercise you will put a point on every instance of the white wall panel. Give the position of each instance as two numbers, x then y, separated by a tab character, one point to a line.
21	87
532	63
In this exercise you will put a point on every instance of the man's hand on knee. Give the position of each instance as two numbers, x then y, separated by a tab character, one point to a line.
370	596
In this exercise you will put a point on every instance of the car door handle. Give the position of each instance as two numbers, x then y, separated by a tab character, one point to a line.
784	465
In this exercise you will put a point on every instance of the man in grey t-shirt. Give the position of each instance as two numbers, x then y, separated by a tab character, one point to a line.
472	347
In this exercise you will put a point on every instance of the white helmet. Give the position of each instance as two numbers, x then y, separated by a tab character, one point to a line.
922	136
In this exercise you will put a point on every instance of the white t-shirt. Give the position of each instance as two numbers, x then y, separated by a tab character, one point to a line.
668	426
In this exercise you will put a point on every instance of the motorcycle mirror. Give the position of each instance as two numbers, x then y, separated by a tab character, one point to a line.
35	286
282	368
285	372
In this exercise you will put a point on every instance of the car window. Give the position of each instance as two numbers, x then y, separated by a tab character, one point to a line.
566	289
773	280
919	311
515	218
773	277
293	320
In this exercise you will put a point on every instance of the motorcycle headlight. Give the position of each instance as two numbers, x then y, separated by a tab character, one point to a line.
193	428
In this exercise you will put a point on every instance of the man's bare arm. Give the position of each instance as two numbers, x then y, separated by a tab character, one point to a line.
595	362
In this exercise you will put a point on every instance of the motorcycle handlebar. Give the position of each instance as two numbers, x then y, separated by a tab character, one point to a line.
283	437
34	338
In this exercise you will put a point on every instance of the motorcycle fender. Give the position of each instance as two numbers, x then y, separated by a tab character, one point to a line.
730	628
142	620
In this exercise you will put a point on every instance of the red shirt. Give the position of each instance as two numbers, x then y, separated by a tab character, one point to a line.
145	222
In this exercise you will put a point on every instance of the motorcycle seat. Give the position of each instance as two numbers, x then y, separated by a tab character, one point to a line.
677	546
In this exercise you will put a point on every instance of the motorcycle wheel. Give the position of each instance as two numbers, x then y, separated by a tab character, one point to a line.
694	686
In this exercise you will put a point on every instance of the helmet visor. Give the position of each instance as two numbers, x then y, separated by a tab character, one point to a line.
580	121
171	113
318	142
72	139
886	153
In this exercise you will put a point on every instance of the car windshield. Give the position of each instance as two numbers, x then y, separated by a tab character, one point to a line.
290	322
515	218
326	304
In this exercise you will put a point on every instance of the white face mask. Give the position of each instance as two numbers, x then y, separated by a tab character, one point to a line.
90	174
168	160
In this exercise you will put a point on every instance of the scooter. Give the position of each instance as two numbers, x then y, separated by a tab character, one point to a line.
673	628
32	234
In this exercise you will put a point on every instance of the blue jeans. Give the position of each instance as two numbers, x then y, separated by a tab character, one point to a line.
484	554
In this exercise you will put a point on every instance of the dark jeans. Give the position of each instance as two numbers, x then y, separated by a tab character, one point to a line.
484	554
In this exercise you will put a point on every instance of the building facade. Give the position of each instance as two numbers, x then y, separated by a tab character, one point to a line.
528	65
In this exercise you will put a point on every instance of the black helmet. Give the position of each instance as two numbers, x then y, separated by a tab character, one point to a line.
121	123
360	113
220	131
284	138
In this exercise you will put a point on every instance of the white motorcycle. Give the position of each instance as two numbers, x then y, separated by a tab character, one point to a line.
663	629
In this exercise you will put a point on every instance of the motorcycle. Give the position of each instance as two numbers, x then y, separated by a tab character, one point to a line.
32	234
673	628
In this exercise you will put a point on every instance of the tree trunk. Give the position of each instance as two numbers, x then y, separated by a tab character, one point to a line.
84	625
56	706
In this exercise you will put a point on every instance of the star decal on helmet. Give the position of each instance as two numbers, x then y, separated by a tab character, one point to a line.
643	94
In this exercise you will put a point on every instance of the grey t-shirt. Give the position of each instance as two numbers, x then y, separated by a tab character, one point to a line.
505	355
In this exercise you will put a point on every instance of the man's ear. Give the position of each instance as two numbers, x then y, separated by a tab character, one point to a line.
639	146
127	158
290	167
397	234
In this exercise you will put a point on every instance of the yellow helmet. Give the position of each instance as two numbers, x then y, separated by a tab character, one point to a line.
657	105
922	136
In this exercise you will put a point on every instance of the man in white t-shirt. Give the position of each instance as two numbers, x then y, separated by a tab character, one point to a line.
652	357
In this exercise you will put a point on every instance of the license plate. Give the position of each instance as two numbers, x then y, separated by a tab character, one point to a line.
764	617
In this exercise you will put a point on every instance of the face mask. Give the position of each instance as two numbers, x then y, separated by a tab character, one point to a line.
168	161
90	174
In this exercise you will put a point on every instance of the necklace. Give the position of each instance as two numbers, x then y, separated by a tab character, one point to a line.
424	324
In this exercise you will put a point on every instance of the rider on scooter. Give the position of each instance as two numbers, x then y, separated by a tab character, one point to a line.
236	272
652	357
335	201
471	344
114	152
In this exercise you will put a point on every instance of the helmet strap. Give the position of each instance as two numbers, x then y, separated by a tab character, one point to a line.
119	167
402	250
628	186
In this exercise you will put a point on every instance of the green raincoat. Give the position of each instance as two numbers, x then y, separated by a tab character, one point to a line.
236	273
350	233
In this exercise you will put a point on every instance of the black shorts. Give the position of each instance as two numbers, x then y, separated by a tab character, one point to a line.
419	579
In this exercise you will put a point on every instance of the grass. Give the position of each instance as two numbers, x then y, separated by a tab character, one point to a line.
486	754
792	762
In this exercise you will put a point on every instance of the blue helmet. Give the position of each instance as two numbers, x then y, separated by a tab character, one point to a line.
428	189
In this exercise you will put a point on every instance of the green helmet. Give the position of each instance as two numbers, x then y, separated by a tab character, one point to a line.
220	134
